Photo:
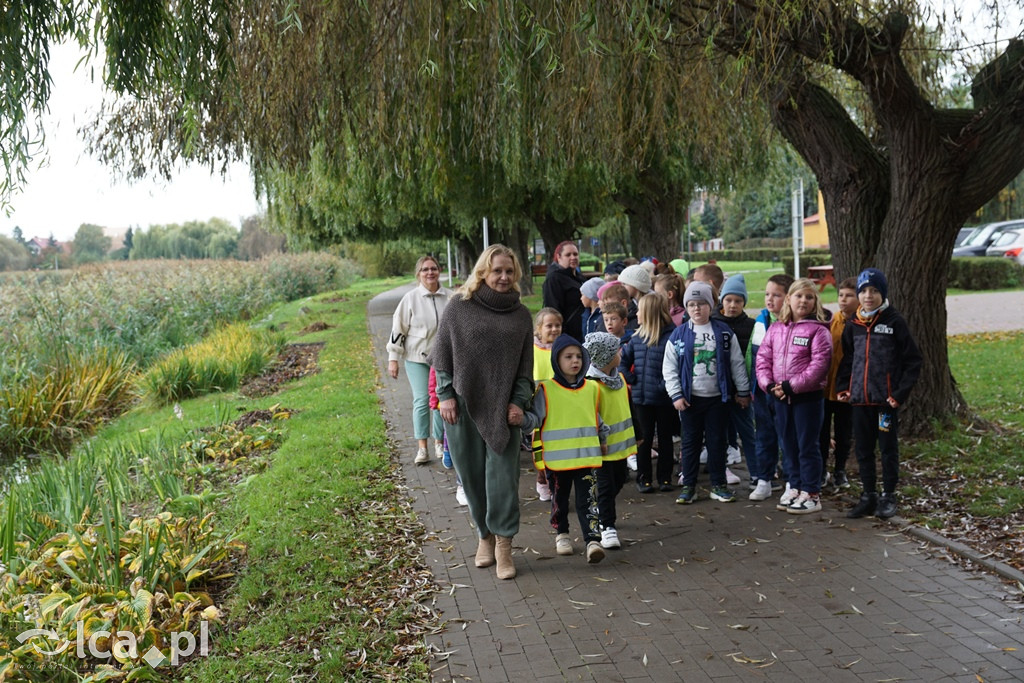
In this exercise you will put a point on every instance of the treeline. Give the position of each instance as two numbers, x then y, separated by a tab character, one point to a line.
212	239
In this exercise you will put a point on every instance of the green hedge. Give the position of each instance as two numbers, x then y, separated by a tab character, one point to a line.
984	272
808	259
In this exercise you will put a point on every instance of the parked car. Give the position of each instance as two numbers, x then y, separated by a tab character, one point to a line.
1017	254
979	241
1005	242
962	236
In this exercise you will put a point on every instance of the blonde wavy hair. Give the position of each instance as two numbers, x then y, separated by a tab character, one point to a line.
786	314
653	317
483	267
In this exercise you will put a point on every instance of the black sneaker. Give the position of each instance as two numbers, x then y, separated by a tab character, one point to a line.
840	480
644	486
864	507
666	486
886	506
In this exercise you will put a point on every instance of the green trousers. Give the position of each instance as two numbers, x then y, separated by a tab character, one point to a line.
489	478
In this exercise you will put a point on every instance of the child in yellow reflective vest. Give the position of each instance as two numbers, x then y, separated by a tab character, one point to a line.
547	326
572	443
616	411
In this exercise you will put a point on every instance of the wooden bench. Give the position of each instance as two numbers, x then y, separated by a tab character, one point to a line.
541	270
823	276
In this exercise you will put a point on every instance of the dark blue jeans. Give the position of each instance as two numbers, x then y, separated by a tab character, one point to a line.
705	422
799	428
767	439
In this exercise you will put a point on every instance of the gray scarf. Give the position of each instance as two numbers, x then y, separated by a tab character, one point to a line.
485	343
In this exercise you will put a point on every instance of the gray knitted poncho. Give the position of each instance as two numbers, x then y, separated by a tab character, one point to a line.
485	343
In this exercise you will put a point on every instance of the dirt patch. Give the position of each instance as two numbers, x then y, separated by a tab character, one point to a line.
295	361
318	326
334	299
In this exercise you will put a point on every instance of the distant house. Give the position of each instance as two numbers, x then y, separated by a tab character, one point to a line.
116	236
37	245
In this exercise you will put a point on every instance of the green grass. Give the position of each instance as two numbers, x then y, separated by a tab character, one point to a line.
320	526
977	471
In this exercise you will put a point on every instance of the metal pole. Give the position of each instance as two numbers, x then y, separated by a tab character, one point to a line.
797	210
449	240
487	234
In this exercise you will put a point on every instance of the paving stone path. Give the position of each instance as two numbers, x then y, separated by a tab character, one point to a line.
706	592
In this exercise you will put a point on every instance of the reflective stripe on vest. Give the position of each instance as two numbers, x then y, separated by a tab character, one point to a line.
615	413
568	437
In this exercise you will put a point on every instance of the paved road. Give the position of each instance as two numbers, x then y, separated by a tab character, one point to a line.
707	592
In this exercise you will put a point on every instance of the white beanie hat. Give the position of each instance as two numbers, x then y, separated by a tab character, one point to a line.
638	277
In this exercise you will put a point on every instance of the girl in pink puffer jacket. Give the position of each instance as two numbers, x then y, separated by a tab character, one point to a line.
792	366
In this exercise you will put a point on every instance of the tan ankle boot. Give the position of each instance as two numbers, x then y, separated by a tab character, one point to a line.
503	555
485	551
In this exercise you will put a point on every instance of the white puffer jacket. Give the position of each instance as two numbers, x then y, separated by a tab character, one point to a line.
415	322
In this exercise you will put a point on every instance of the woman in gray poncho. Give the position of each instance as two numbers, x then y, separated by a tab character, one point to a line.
483	356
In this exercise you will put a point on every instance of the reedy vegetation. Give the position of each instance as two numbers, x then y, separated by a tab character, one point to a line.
73	341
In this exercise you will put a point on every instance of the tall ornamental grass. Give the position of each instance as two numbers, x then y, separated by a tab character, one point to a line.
218	363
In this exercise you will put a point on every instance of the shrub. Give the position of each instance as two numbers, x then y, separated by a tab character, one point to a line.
985	272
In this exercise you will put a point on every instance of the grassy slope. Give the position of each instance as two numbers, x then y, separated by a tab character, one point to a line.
320	522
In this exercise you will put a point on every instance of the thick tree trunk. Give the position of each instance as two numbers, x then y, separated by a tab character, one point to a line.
654	214
553	232
654	226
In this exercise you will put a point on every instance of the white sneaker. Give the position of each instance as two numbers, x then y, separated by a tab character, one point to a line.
733	456
731	478
543	491
460	497
438	450
595	553
763	490
610	538
704	456
421	457
788	496
804	504
631	463
563	545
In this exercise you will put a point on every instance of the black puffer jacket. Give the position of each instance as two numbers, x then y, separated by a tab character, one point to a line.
880	359
562	293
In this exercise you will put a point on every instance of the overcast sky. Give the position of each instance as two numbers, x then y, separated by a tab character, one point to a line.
72	188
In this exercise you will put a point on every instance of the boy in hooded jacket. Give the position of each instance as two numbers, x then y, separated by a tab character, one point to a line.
572	442
880	365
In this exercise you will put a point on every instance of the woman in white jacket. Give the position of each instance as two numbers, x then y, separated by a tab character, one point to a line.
412	336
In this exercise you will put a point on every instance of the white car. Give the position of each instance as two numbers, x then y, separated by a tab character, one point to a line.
1008	240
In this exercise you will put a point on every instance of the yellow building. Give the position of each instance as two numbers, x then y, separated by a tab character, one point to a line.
816	228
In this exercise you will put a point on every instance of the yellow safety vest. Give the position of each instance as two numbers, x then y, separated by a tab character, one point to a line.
615	413
542	364
568	437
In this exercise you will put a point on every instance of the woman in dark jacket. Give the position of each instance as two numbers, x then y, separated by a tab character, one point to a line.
562	289
641	365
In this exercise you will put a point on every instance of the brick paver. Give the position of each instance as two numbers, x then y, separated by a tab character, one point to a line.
706	592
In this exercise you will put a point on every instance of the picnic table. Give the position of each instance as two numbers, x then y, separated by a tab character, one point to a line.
822	276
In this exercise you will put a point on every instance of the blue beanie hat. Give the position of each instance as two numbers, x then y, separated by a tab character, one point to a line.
875	278
736	285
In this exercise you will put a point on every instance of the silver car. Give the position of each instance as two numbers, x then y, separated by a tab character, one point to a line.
1005	242
985	236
